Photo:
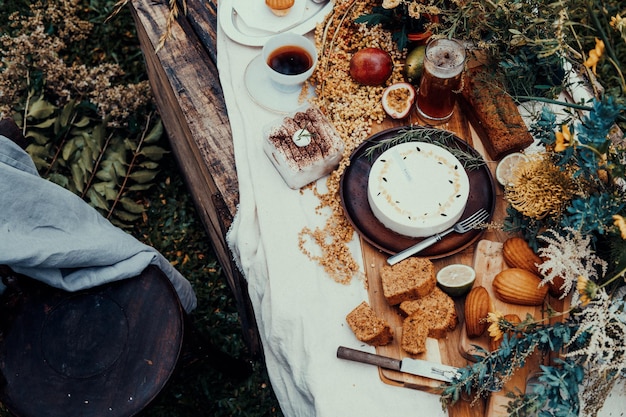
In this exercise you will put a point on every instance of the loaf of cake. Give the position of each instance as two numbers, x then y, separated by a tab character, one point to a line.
431	316
408	280
368	327
303	146
493	114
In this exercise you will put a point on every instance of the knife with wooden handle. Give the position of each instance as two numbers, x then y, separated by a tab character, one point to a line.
412	366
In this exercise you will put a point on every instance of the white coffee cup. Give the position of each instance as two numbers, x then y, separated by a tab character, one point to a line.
289	60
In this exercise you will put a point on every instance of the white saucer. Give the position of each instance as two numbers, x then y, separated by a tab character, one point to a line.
265	94
256	15
236	29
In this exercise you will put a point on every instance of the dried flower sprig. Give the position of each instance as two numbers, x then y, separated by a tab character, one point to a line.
540	188
172	15
568	255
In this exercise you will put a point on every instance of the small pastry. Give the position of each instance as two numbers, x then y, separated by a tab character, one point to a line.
280	7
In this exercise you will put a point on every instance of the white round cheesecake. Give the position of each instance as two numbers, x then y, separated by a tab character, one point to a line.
417	189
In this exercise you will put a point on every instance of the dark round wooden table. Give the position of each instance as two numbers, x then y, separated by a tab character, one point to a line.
106	351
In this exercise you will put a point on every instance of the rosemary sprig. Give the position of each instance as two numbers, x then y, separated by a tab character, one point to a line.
429	135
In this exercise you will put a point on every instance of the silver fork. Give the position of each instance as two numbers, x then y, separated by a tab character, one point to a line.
463	226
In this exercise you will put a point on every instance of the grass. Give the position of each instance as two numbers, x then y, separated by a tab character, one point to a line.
200	387
208	381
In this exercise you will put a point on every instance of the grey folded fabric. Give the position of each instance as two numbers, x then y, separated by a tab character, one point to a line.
50	234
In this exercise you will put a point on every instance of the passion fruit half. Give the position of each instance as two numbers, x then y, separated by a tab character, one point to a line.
398	100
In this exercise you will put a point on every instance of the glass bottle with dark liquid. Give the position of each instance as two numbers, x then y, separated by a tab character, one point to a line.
443	69
290	60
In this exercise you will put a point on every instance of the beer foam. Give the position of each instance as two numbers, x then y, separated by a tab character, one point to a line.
445	59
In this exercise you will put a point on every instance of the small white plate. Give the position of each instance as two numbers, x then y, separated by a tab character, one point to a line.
264	94
256	15
236	29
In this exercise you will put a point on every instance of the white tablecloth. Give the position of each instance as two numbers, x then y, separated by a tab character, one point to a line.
300	311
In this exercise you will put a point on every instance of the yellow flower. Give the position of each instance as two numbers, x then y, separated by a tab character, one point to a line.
563	139
594	56
415	10
391	4
618	22
586	290
620	222
494	325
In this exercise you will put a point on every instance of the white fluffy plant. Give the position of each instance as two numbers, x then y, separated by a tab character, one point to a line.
568	257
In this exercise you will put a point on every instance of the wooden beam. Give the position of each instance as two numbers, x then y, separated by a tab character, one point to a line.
184	79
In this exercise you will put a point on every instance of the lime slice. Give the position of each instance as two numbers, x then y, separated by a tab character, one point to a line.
505	170
456	280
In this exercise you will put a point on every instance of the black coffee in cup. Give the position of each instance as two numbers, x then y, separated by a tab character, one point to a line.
290	60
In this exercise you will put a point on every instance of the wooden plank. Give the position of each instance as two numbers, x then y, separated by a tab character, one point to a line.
184	79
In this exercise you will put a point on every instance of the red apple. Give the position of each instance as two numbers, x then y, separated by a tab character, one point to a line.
371	66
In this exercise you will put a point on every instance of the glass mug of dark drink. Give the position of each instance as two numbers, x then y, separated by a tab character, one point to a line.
444	61
289	60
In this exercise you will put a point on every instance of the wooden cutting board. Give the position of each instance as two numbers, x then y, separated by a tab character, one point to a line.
444	350
488	262
455	349
373	263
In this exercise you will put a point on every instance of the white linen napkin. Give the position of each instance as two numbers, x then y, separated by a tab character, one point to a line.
300	310
50	234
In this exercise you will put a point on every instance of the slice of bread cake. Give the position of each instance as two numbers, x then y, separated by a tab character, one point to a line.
368	327
433	315
408	280
437	310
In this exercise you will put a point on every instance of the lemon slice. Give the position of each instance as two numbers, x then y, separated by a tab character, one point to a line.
506	167
456	280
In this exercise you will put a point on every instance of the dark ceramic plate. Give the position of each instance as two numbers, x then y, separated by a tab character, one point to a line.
353	192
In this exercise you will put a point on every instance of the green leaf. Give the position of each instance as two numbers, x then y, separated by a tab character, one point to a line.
40	163
148	165
139	187
131	206
155	134
66	113
45	124
120	168
104	173
38	137
69	149
78	177
83	122
35	149
154	153
96	200
59	179
87	159
144	176
40	109
99	135
108	189
125	216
